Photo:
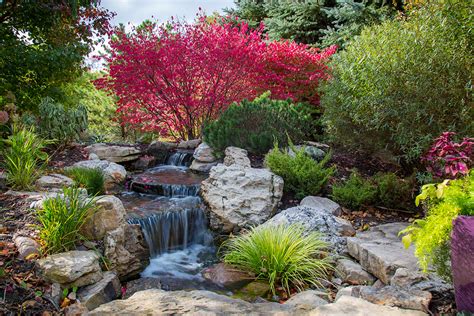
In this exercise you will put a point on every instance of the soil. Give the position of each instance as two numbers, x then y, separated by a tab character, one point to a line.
67	156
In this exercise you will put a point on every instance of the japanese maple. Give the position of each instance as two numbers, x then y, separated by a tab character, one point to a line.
172	78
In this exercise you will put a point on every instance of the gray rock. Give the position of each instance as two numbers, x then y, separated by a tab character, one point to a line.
93	157
381	252
104	291
236	156
114	173
72	268
322	203
189	144
240	197
110	215
393	296
202	166
144	162
306	300
27	247
227	276
346	291
312	151
53	181
353	273
416	280
160	150
76	309
141	284
312	219
204	153
114	153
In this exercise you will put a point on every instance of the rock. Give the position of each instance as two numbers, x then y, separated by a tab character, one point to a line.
93	157
353	306
381	252
416	280
236	156
127	251
114	153
352	273
141	284
160	150
3	181
202	166
313	219
76	309
240	197
392	296
204	153
104	291
144	162
189	144
114	174
110	215
72	268
53	182
346	291
322	203
227	276
253	291
306	300
312	151
27	247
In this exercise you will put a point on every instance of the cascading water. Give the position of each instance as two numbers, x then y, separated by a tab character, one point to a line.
164	201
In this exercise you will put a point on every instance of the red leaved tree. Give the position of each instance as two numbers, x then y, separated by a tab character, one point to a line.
172	78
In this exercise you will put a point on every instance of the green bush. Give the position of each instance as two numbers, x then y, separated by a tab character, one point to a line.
90	179
431	235
59	123
24	158
404	82
394	192
255	125
355	192
282	255
301	173
61	219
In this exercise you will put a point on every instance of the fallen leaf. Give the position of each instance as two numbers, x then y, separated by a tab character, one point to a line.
65	303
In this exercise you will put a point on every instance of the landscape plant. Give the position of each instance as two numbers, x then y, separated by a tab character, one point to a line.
431	235
302	174
355	192
394	192
91	179
284	256
61	219
24	158
377	98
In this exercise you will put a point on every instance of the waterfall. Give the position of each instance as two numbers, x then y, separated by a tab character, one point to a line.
180	158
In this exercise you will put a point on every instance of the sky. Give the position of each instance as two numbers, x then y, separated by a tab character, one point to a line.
135	11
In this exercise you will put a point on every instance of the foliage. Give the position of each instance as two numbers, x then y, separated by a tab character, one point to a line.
392	191
378	96
43	43
61	219
24	158
355	192
301	173
255	125
449	159
282	255
431	235
90	179
171	79
61	124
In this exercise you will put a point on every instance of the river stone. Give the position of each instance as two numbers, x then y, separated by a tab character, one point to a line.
353	273
204	153
104	291
237	156
110	215
114	153
160	150
126	251
393	296
114	173
27	247
202	166
306	300
322	203
72	268
353	306
240	197
53	181
381	252
189	144
227	276
333	228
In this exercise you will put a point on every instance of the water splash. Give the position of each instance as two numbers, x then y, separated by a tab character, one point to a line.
180	158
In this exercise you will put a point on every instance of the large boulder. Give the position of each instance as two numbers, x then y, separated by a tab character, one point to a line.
161	150
322	203
381	252
53	182
110	215
126	251
334	229
72	268
236	156
227	276
104	291
114	173
114	153
204	153
240	197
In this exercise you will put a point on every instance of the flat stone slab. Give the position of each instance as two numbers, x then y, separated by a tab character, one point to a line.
351	272
114	153
381	252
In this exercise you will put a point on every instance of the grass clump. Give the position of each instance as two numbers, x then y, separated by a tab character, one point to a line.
301	173
91	179
61	219
355	192
394	192
24	158
282	255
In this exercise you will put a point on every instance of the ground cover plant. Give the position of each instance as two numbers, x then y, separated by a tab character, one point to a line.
281	255
90	179
355	192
